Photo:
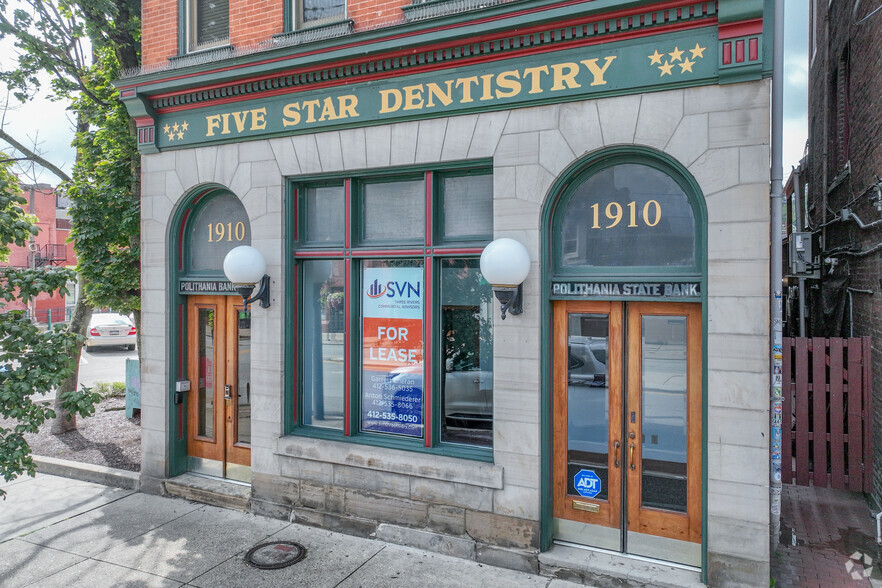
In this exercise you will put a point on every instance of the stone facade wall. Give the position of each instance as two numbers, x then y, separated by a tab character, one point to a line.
473	509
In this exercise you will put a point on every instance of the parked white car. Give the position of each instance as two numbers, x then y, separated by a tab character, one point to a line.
109	329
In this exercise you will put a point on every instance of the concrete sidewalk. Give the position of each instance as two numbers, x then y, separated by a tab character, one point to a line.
62	532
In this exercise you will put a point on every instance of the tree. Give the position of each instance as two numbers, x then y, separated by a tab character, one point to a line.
53	37
31	361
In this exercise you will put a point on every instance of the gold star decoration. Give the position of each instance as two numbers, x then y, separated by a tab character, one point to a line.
666	68
175	131
675	54
686	65
655	58
698	52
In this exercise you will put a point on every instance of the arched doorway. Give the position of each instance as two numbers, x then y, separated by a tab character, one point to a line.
625	277
211	406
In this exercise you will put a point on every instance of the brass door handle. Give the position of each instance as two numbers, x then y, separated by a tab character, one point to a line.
616	446
631	457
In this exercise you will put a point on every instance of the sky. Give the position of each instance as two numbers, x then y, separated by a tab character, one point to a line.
51	125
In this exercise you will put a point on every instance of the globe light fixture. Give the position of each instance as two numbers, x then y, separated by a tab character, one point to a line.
245	267
505	263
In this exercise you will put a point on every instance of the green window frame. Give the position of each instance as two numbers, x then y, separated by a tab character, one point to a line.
203	25
445	380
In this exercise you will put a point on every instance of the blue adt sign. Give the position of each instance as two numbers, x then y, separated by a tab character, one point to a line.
587	483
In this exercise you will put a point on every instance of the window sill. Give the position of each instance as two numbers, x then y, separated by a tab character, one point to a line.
314	33
421	465
198	56
420	10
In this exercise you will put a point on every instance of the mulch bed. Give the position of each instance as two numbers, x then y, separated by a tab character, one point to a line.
106	438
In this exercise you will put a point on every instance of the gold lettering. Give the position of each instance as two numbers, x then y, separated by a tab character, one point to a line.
258	119
466	84
213	122
535	78
291	114
385	105
328	112
508	81
225	129
310	105
347	104
562	79
435	91
598	72
413	97
486	94
239	118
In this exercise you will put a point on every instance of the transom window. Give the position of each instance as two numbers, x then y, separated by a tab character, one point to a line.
393	339
208	24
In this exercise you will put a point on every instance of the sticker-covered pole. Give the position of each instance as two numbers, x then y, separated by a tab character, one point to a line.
777	194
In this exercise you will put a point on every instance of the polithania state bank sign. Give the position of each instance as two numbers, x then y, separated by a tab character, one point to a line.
670	59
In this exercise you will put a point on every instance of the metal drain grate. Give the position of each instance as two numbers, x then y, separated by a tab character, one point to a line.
275	555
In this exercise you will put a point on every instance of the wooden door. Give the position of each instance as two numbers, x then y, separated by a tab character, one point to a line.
663	420
218	408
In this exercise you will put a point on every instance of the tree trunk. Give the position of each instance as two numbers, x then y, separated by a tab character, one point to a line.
79	322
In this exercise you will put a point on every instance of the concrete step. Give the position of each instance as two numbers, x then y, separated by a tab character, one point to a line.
603	569
212	491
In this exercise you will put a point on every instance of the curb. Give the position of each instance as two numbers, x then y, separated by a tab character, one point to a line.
88	472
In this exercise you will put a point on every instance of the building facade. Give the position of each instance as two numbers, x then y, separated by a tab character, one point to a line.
842	207
370	151
48	247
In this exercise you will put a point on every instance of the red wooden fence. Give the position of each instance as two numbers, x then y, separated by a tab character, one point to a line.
828	392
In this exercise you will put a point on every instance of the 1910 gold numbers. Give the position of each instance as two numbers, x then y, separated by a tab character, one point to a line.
226	232
615	213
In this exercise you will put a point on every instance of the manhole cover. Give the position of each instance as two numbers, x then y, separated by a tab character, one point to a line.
275	555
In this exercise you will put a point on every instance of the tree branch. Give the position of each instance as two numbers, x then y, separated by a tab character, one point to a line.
33	156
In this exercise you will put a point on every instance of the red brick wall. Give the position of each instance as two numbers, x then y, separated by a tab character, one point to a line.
159	31
830	146
253	21
372	14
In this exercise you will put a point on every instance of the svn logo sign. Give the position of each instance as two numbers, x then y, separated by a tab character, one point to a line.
393	289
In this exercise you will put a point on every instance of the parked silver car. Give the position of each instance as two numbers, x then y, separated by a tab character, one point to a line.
109	329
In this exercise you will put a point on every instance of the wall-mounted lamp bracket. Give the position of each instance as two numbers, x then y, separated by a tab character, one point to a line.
510	298
262	296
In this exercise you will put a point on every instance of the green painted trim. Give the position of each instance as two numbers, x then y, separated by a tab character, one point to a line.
738	10
577	170
288	15
290	363
182	27
292	426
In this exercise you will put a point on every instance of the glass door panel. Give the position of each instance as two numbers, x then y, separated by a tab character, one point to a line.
587	428
664	425
207	377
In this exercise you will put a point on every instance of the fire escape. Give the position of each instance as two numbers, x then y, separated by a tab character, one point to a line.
49	254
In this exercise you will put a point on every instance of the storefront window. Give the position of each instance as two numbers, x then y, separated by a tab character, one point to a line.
394	331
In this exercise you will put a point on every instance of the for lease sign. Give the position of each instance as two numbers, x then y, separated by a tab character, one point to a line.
392	350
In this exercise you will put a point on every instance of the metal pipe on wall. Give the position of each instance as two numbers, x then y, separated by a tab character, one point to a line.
776	276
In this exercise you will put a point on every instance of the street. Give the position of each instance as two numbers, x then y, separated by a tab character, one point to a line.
104	365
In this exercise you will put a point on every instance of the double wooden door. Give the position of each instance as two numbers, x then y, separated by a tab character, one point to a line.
219	400
627	427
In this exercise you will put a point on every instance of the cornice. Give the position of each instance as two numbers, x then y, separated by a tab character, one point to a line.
481	45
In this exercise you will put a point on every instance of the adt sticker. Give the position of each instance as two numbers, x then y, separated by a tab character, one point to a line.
587	483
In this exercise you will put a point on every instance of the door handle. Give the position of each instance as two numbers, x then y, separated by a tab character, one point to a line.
631	457
616	446
228	392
